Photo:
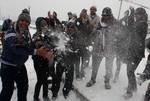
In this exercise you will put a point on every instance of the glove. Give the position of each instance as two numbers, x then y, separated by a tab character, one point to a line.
148	50
50	56
42	52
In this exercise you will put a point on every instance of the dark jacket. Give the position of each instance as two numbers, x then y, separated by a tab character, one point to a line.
12	53
7	24
137	40
37	43
85	30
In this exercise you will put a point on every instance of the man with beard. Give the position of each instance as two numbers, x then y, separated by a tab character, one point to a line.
94	19
113	39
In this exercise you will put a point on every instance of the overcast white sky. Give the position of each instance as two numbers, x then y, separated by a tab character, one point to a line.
12	8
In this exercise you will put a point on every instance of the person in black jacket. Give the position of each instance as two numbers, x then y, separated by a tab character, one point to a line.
7	25
136	50
66	64
17	48
40	64
83	26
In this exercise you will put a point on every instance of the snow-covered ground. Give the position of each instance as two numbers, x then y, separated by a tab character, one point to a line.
99	93
96	92
32	81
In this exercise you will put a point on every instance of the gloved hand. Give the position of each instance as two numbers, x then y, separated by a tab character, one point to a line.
50	56
42	52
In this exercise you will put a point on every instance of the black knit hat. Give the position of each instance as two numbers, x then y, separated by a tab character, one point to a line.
140	10
24	16
107	11
39	23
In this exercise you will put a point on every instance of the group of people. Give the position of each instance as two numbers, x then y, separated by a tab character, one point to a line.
110	38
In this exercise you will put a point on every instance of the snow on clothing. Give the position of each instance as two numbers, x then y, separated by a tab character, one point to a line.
94	21
14	56
84	36
97	53
41	68
135	52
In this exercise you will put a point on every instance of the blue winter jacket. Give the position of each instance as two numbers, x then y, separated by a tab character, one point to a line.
12	54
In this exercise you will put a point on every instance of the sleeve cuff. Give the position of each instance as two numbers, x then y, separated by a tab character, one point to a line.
35	52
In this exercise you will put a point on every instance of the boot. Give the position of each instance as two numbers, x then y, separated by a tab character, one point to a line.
82	75
147	94
107	83
54	96
116	76
65	92
128	95
90	83
36	99
46	99
141	78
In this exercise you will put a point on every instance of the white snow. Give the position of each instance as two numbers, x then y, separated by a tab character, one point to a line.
99	93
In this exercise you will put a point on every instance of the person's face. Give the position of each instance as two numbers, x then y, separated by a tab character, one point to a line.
84	14
23	25
106	19
54	15
49	15
70	16
137	17
44	26
92	11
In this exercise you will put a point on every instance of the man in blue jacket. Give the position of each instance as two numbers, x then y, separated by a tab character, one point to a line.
17	47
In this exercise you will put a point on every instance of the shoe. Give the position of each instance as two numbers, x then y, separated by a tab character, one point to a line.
65	92
46	99
65	95
115	79
90	83
127	95
78	78
54	96
140	80
106	81
36	99
82	75
107	85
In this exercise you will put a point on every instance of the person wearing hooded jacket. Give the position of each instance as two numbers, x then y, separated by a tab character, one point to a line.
66	64
40	64
114	37
7	25
136	49
83	26
17	48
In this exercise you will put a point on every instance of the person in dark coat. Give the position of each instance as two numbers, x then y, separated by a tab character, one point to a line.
40	64
97	55
58	25
114	38
110	25
136	50
17	48
83	26
50	20
66	64
7	25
